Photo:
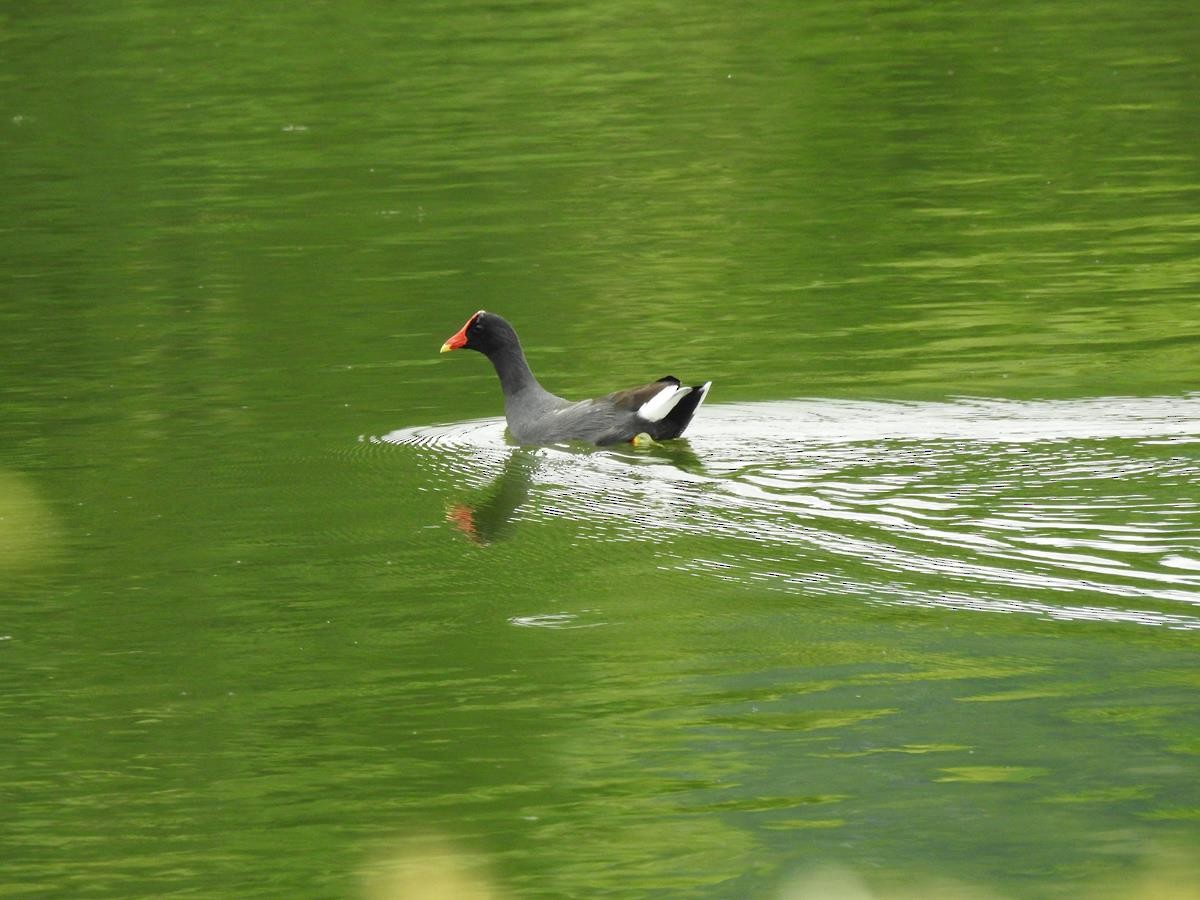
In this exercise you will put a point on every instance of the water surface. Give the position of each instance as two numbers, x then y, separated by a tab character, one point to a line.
280	609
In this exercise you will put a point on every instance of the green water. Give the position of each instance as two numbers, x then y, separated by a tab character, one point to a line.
282	614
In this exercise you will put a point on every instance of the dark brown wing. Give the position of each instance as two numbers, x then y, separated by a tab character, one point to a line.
633	398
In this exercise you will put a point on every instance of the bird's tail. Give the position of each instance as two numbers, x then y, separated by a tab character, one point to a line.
673	424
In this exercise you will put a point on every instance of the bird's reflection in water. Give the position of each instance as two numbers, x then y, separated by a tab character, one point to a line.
488	517
678	453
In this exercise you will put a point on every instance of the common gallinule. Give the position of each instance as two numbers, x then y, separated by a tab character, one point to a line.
661	409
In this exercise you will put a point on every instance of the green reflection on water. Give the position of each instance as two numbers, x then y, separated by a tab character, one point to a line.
245	652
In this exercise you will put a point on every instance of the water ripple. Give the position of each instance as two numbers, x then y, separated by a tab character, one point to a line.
1069	510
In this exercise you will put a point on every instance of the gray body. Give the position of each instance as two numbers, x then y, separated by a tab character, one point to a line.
536	416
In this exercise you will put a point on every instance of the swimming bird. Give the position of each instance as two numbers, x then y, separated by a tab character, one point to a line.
660	410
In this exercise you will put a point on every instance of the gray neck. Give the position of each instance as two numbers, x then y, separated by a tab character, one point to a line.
515	375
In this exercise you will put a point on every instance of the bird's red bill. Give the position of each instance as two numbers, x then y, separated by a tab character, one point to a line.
460	337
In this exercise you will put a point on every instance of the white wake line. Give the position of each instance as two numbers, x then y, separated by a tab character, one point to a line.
890	594
989	421
1170	420
665	511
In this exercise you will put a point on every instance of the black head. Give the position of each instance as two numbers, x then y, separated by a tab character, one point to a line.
485	332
